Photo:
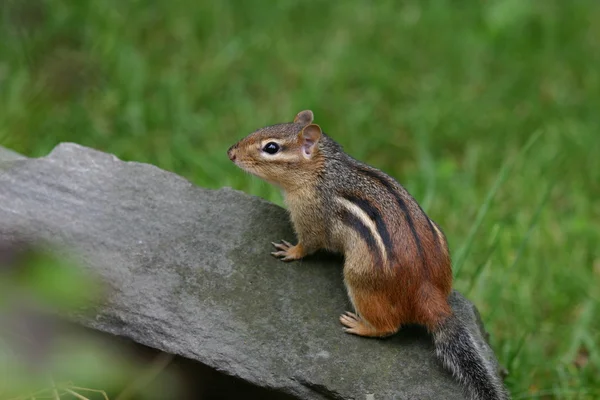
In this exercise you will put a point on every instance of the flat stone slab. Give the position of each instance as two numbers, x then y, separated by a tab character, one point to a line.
8	155
190	274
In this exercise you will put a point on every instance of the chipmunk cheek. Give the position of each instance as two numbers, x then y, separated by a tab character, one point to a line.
252	168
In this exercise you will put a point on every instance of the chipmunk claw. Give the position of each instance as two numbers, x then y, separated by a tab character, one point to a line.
282	255
287	251
282	246
352	322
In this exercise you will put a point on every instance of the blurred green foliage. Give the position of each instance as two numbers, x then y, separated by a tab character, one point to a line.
442	95
41	356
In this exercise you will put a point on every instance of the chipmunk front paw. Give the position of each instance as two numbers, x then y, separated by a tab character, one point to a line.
287	251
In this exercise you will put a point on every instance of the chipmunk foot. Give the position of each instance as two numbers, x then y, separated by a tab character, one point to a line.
357	326
287	251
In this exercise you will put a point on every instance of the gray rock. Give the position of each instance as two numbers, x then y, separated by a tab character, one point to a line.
191	274
9	155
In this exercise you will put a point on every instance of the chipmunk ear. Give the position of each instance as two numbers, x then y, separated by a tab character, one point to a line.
309	137
304	117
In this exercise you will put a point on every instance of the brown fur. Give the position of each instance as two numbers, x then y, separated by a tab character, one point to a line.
412	286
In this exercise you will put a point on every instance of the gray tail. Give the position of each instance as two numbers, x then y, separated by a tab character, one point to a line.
459	352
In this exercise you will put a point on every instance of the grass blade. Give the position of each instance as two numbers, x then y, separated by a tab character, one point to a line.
465	249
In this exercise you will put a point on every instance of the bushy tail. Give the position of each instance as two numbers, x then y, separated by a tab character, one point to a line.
459	352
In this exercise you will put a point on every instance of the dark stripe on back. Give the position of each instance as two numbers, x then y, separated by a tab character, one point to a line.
355	223
376	217
401	203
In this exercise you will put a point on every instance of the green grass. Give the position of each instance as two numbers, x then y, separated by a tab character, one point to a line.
487	111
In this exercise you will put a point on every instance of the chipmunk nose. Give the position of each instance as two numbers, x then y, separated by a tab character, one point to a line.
231	152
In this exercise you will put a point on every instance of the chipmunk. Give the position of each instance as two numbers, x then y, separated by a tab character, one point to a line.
397	267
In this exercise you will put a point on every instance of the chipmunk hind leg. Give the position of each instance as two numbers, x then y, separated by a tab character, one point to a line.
431	306
372	318
375	316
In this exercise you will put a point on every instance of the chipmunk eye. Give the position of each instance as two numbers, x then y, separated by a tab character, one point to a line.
271	148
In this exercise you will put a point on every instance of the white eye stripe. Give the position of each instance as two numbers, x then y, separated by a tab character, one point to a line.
266	141
279	155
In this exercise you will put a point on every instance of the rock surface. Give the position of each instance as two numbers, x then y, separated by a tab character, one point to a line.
8	155
190	274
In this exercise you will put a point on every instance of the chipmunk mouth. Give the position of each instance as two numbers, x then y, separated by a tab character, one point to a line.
245	165
233	156
242	164
250	168
231	152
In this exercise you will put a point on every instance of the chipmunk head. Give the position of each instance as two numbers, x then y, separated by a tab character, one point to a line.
284	154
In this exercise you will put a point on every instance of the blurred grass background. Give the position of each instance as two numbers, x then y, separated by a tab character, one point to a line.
487	111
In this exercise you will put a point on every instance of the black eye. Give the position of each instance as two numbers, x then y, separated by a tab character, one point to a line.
271	148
